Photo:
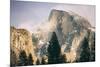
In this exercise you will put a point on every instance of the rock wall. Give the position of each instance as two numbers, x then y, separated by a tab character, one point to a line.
21	40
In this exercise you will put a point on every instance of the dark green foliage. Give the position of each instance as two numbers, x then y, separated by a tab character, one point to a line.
54	50
30	61
37	62
93	47
63	58
93	53
43	60
85	54
23	61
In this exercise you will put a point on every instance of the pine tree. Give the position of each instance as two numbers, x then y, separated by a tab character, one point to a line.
64	60
30	60
37	62
85	54
43	60
54	50
23	61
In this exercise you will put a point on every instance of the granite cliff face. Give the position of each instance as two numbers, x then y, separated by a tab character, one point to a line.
73	31
67	23
21	40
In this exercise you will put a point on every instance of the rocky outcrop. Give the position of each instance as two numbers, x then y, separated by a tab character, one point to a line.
75	35
21	40
67	23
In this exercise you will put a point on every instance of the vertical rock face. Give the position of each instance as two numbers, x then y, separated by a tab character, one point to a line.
21	40
66	23
74	33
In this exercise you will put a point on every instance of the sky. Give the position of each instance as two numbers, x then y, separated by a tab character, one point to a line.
31	15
